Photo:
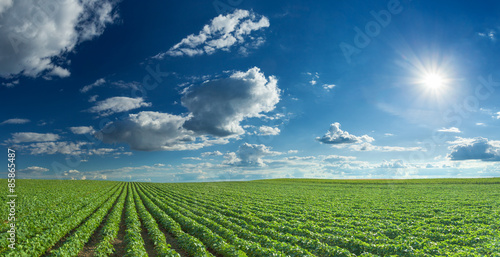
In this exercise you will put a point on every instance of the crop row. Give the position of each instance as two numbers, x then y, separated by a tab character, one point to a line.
111	227
285	243
39	244
76	241
44	219
162	248
190	244
441	241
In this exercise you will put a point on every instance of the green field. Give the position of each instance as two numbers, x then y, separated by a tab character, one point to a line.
283	217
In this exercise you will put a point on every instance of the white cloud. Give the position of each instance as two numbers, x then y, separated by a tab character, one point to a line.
4	5
82	130
68	148
58	72
223	32
474	149
214	153
93	98
71	172
369	147
256	43
342	139
34	169
218	106
35	35
498	115
393	164
489	34
127	85
328	87
192	158
152	131
337	136
249	155
118	104
119	84
97	83
94	22
314	78
268	131
103	151
450	130
216	109
15	121
388	134
11	84
338	158
26	137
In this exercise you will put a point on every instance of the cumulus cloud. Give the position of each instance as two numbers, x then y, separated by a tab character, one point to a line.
35	35
268	131
94	22
15	121
223	32
450	130
71	172
97	83
335	135
118	104
27	137
249	155
498	115
474	149
215	107
82	130
4	5
150	131
57	72
218	106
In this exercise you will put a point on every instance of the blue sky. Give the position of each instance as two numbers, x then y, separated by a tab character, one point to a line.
235	90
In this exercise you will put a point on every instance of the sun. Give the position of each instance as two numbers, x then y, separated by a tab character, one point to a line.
433	81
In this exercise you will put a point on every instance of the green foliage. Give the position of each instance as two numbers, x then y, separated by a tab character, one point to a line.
133	238
283	217
110	229
161	247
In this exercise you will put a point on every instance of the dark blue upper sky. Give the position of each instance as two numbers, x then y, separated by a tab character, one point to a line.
215	90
